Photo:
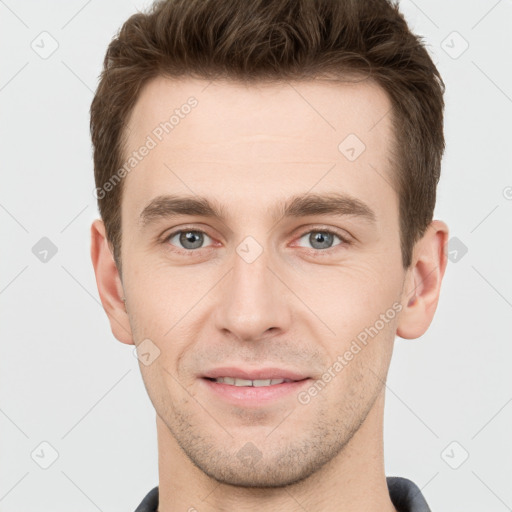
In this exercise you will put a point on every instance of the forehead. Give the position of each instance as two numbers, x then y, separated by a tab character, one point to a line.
262	141
227	107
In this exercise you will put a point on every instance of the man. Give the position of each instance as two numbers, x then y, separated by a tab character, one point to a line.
266	175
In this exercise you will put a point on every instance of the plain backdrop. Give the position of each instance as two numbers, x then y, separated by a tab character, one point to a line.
71	395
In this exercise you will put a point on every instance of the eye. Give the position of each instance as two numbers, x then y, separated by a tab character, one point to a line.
322	239
188	239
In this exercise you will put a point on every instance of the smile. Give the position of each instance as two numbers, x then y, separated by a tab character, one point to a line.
232	381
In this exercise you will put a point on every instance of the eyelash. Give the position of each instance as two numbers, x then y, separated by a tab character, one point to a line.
317	252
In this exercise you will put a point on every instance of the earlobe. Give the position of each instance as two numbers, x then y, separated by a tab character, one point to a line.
422	285
109	283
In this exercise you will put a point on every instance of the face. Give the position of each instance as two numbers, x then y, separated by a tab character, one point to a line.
288	267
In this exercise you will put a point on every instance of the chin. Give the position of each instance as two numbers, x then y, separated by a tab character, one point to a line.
265	476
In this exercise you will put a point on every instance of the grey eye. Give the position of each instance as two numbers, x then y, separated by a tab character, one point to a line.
188	239
320	239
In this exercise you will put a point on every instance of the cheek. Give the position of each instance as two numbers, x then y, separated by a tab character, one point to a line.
161	295
360	307
162	389
352	296
358	363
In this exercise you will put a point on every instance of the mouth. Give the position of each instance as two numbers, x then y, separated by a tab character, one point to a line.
257	383
253	387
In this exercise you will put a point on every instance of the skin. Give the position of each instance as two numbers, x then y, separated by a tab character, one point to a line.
251	148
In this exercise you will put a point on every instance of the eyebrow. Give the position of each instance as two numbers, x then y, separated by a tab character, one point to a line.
168	206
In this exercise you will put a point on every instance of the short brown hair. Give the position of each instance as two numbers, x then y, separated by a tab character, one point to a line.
277	40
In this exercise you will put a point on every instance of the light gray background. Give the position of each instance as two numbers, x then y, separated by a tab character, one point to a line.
66	381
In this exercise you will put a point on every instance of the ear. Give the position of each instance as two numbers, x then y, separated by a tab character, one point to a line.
109	283
422	283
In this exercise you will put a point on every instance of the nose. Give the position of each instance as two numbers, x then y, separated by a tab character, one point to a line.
253	301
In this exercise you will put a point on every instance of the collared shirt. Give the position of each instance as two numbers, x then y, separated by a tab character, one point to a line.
404	494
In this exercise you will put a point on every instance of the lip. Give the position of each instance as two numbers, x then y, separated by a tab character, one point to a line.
254	373
251	396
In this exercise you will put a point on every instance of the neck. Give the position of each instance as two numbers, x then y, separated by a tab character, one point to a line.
352	481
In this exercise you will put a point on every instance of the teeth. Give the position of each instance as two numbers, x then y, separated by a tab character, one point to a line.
266	382
242	382
245	382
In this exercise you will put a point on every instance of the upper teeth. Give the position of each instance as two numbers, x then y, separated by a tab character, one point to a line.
255	383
